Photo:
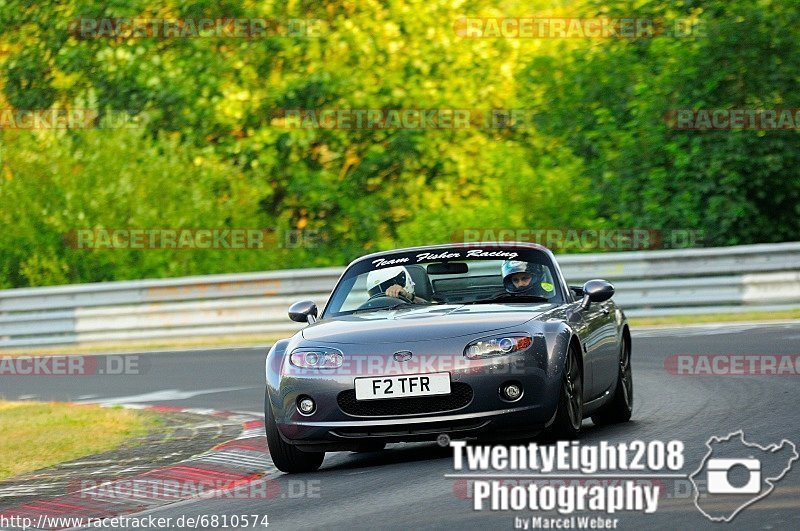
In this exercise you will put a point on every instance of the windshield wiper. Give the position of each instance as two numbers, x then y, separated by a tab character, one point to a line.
379	308
507	297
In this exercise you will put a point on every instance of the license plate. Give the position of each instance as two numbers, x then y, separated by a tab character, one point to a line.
437	383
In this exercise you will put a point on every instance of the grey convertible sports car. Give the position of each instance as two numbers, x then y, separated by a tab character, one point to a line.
473	340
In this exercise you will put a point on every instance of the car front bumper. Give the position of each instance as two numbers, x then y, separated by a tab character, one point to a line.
337	424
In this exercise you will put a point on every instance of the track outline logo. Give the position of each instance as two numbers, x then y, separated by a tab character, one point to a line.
769	480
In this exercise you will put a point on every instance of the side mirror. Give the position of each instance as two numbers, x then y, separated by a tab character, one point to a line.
303	312
596	291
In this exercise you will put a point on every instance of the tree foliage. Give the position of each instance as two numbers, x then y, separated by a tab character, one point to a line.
212	147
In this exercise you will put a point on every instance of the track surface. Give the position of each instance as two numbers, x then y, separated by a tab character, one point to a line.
404	486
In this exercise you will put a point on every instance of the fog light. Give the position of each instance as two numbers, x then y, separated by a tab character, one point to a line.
305	406
511	391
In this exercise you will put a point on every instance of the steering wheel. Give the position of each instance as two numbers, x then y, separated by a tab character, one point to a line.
385	296
381	301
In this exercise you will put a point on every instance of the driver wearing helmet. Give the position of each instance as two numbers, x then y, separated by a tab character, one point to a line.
526	278
392	282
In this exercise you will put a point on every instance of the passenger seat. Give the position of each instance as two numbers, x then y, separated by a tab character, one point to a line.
422	283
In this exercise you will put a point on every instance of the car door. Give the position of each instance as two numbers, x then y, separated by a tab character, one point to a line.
605	367
580	326
593	337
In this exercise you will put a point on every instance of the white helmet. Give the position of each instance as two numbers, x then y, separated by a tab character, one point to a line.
379	280
512	267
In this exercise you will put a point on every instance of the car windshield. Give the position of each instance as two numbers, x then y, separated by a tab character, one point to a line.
458	276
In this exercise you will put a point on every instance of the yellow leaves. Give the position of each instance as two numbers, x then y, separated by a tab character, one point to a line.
5	49
400	212
122	54
351	159
394	46
235	103
391	29
506	70
323	154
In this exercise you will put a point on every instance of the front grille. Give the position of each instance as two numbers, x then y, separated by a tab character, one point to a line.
460	395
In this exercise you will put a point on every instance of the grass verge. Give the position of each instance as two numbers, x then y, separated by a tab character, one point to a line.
36	435
666	320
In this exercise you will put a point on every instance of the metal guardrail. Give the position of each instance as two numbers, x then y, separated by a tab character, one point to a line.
648	283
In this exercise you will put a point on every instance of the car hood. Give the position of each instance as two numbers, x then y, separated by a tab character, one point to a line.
409	325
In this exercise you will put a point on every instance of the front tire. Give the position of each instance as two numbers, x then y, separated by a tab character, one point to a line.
287	457
567	424
621	406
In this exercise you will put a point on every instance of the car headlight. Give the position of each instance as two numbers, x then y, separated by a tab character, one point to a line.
497	346
316	358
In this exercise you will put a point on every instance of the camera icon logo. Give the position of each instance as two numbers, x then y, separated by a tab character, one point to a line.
719	471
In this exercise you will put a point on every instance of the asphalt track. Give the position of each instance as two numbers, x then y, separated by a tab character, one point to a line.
404	486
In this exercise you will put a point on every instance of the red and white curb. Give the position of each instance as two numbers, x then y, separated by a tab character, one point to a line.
239	467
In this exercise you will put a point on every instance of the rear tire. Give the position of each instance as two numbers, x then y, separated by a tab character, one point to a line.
567	424
621	406
287	457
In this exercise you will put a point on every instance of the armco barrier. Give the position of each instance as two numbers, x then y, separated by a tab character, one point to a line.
648	283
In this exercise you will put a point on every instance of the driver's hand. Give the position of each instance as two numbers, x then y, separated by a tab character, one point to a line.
396	291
